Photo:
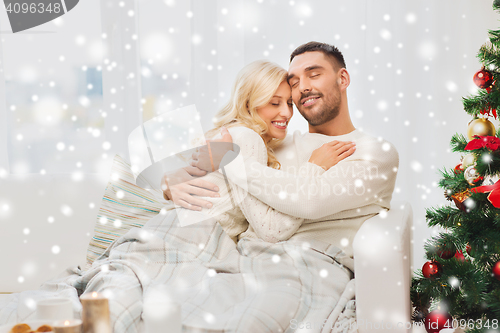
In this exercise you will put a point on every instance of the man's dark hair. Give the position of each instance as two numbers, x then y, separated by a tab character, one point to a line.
330	51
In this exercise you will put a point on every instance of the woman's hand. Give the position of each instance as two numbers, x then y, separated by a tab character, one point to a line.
180	186
331	153
210	160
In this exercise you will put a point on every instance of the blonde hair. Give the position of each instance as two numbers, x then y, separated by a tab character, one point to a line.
255	85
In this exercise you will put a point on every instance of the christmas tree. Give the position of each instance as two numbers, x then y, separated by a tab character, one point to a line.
459	285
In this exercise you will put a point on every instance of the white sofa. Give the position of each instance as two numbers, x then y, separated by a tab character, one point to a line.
29	256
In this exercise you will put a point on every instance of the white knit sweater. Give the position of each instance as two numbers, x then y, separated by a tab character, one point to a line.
240	213
332	204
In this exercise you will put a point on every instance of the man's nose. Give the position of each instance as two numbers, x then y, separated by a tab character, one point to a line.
304	86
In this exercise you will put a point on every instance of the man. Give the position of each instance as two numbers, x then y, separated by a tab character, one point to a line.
334	202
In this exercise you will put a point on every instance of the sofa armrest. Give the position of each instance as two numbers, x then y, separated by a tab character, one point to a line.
382	260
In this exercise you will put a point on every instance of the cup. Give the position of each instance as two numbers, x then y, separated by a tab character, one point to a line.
54	309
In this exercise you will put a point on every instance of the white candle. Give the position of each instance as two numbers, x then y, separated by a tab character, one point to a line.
68	326
95	313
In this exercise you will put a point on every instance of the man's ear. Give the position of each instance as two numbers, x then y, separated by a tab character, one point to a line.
344	78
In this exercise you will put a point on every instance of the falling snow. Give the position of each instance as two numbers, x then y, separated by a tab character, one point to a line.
76	101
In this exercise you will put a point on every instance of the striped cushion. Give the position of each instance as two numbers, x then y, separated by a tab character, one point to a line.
124	206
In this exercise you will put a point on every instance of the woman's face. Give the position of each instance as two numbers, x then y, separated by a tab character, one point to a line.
277	113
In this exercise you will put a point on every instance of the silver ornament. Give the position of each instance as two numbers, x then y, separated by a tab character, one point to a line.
491	179
470	174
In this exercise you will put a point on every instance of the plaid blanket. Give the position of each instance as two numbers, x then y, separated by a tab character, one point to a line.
252	286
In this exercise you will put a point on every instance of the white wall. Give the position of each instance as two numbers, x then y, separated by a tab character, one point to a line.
46	223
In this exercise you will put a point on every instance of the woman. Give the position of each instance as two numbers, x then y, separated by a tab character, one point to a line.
256	116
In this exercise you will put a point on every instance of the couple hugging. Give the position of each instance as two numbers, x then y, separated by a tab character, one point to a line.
290	210
316	187
276	249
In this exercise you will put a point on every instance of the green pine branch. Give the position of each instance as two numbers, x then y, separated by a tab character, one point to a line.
489	54
496	5
487	162
464	288
474	104
494	36
493	300
446	217
452	182
442	242
482	100
458	143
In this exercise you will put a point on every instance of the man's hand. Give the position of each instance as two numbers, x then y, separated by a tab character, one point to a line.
180	185
219	148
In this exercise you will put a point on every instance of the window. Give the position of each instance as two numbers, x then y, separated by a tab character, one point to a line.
52	102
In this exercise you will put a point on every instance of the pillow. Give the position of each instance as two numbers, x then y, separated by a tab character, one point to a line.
125	205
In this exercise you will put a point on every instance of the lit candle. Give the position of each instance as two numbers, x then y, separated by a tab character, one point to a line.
68	326
95	313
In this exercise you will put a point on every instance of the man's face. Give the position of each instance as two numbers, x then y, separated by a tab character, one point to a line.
315	87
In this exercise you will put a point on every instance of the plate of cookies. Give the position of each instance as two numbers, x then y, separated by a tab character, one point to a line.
31	326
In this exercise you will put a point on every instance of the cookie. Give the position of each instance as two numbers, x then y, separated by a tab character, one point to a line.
20	328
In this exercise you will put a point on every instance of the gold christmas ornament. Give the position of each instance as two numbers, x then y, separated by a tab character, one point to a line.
480	126
471	175
468	160
460	198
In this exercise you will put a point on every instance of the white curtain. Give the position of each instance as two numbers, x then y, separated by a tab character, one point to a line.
4	152
410	64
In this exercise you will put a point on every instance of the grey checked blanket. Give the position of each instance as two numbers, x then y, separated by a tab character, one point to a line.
252	286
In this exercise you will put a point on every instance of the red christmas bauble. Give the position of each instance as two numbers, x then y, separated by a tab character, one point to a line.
432	269
446	254
483	79
459	168
437	320
496	270
469	250
459	255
